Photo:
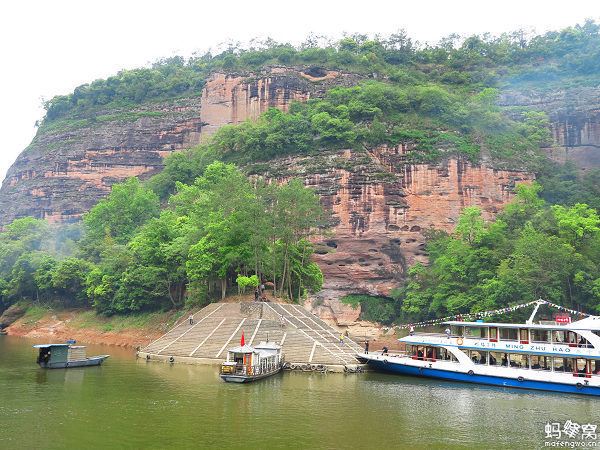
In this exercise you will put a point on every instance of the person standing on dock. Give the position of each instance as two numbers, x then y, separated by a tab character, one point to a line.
341	339
367	347
411	330
256	294
191	319
448	333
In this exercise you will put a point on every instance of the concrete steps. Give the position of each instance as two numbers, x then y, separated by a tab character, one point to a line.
219	326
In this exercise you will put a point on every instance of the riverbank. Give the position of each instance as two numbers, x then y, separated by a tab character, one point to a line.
42	322
85	326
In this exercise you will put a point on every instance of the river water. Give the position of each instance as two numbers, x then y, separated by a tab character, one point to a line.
129	403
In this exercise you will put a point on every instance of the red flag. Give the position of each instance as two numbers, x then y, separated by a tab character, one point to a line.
242	340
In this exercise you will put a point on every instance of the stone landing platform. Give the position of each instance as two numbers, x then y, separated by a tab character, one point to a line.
308	342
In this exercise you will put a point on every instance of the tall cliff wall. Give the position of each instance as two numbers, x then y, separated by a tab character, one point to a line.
381	205
72	164
574	115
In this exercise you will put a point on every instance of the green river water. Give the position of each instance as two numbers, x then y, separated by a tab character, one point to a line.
128	403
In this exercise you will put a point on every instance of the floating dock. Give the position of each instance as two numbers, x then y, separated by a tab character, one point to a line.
308	343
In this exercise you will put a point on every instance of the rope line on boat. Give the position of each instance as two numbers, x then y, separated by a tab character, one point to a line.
493	312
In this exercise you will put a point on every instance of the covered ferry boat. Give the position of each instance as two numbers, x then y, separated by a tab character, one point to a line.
62	356
560	358
246	363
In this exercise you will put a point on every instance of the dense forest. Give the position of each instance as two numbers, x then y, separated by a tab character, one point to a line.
201	226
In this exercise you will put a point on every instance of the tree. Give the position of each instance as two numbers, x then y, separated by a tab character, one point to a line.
116	217
577	223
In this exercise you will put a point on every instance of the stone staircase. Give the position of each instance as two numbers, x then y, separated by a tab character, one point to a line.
305	338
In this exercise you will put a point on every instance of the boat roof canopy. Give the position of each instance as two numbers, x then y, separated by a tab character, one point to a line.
242	349
589	323
50	345
268	346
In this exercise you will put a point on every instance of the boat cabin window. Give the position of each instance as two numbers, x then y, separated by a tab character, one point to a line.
540	362
478	357
476	332
584	343
558	336
562	365
508	334
494	334
445	355
572	338
432	353
539	335
582	366
457	330
524	336
495	358
417	351
518	361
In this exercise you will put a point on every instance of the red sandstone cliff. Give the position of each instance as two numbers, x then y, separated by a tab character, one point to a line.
71	164
381	205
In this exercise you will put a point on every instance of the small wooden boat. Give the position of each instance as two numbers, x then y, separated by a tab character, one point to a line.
62	356
246	363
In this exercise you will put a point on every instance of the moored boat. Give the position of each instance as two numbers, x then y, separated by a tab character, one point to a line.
552	357
246	363
62	356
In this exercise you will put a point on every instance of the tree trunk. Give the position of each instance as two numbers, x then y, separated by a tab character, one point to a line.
223	288
171	294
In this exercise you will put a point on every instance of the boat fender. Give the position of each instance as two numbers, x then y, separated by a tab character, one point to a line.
305	367
171	359
293	366
320	368
459	341
521	379
579	386
359	369
470	372
385	361
313	367
147	357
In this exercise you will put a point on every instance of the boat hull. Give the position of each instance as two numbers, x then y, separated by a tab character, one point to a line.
231	378
92	361
405	369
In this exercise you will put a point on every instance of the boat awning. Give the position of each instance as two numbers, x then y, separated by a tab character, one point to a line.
242	349
268	346
50	345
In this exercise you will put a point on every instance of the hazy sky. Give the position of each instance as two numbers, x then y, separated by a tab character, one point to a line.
49	47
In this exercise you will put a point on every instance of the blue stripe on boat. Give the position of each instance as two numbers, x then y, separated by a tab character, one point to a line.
482	379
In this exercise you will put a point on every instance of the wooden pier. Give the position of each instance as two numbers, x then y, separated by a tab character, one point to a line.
308	342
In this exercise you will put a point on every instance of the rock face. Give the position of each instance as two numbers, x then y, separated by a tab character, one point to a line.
381	206
67	169
575	121
72	164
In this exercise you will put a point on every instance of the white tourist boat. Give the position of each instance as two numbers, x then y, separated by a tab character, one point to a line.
552	357
246	363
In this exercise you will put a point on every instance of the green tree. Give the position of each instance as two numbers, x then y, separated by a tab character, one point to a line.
117	217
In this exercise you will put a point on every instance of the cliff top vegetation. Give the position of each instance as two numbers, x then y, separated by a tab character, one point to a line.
460	63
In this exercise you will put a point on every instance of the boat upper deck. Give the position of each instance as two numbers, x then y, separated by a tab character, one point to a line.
578	339
591	323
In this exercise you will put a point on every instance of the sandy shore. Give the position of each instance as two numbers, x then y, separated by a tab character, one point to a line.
86	327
